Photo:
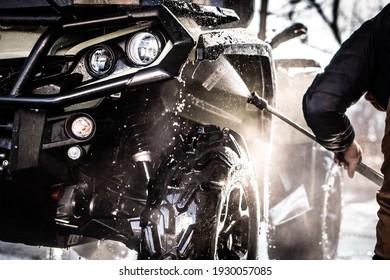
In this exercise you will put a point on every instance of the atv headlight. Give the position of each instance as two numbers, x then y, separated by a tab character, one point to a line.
143	48
101	61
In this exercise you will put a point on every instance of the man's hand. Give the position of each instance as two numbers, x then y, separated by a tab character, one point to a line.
350	158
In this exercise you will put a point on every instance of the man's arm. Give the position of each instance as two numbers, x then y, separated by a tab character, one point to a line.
324	112
343	82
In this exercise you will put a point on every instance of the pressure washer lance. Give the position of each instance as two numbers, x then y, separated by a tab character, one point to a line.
361	168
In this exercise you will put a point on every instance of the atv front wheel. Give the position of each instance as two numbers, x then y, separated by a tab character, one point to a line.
203	202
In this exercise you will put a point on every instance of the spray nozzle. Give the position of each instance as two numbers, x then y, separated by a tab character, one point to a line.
256	100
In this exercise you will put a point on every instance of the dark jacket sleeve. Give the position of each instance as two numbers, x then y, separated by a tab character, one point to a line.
343	82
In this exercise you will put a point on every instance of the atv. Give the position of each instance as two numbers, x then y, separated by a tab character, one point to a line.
130	122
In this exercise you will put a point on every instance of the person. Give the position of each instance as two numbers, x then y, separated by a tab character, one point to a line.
361	67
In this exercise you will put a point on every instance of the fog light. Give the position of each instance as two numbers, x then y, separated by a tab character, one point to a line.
82	127
101	61
143	48
75	152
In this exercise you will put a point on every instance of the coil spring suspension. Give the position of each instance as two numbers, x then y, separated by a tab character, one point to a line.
137	137
137	132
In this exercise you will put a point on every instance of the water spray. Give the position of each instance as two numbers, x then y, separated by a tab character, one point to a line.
361	168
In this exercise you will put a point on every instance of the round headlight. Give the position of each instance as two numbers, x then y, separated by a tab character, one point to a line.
82	127
101	61
143	48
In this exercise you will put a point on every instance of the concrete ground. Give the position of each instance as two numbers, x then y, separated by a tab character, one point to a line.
357	234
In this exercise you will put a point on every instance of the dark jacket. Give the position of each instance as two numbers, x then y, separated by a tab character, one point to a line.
361	64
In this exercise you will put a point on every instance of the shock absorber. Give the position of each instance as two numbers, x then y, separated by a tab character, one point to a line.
143	161
137	126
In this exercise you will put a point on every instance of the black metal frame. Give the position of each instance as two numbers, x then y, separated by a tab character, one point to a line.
167	69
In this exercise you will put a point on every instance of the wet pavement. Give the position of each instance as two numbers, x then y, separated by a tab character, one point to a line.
357	234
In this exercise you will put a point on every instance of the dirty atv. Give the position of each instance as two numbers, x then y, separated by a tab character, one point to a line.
130	122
